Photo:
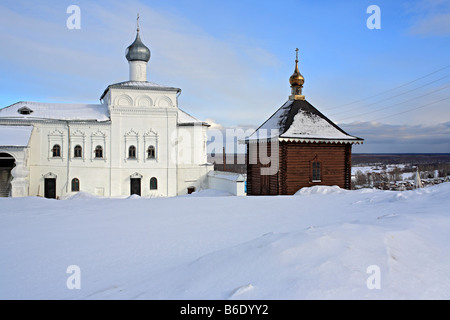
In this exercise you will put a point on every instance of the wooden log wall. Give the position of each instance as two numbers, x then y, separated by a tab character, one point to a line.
298	165
295	168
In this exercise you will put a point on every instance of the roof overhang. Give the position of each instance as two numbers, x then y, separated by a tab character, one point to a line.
124	85
304	140
15	136
190	124
318	140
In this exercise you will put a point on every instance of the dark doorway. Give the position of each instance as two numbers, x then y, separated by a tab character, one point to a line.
135	186
191	190
7	163
50	188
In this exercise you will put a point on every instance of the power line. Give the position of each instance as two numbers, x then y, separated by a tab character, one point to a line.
392	97
389	90
409	110
396	104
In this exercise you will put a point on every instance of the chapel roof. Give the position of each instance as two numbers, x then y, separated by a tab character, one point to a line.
298	120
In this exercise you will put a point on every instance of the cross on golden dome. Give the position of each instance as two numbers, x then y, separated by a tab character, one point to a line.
296	81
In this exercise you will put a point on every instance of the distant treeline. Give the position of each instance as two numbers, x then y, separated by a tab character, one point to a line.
400	158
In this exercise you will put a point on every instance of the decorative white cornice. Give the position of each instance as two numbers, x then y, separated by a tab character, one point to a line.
56	132
77	133
99	134
151	133
131	133
119	110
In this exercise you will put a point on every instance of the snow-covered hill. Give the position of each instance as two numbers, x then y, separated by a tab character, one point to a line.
317	244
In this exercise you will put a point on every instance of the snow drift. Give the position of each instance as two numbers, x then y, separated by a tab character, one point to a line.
316	245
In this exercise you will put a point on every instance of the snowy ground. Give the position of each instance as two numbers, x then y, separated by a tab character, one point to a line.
317	244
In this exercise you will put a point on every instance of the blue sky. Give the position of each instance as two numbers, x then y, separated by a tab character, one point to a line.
233	60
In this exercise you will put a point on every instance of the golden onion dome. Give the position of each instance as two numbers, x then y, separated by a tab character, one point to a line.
296	79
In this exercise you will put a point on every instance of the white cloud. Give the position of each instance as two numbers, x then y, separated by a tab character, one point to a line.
435	24
431	17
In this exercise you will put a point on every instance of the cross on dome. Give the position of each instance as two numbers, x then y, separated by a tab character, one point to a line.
296	81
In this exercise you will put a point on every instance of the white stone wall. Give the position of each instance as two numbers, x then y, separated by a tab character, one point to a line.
92	172
143	118
139	118
231	182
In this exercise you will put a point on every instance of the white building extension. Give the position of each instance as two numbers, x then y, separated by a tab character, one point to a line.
137	141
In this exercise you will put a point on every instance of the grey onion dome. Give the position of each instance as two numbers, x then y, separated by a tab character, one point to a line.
137	51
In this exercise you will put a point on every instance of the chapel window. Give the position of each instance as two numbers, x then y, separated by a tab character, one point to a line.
316	174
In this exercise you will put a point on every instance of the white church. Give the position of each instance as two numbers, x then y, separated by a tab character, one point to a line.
136	141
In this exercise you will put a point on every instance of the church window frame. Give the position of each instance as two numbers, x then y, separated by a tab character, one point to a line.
132	152
78	151
98	152
75	185
153	183
56	151
151	152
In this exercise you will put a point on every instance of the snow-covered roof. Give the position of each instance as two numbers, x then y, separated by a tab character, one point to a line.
55	111
298	120
225	175
15	136
139	85
74	112
185	119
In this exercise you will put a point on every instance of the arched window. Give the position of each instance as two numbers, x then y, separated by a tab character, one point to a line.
153	184
75	185
56	151
77	151
151	152
132	152
98	152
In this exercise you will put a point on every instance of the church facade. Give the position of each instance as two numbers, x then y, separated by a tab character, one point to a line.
136	141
